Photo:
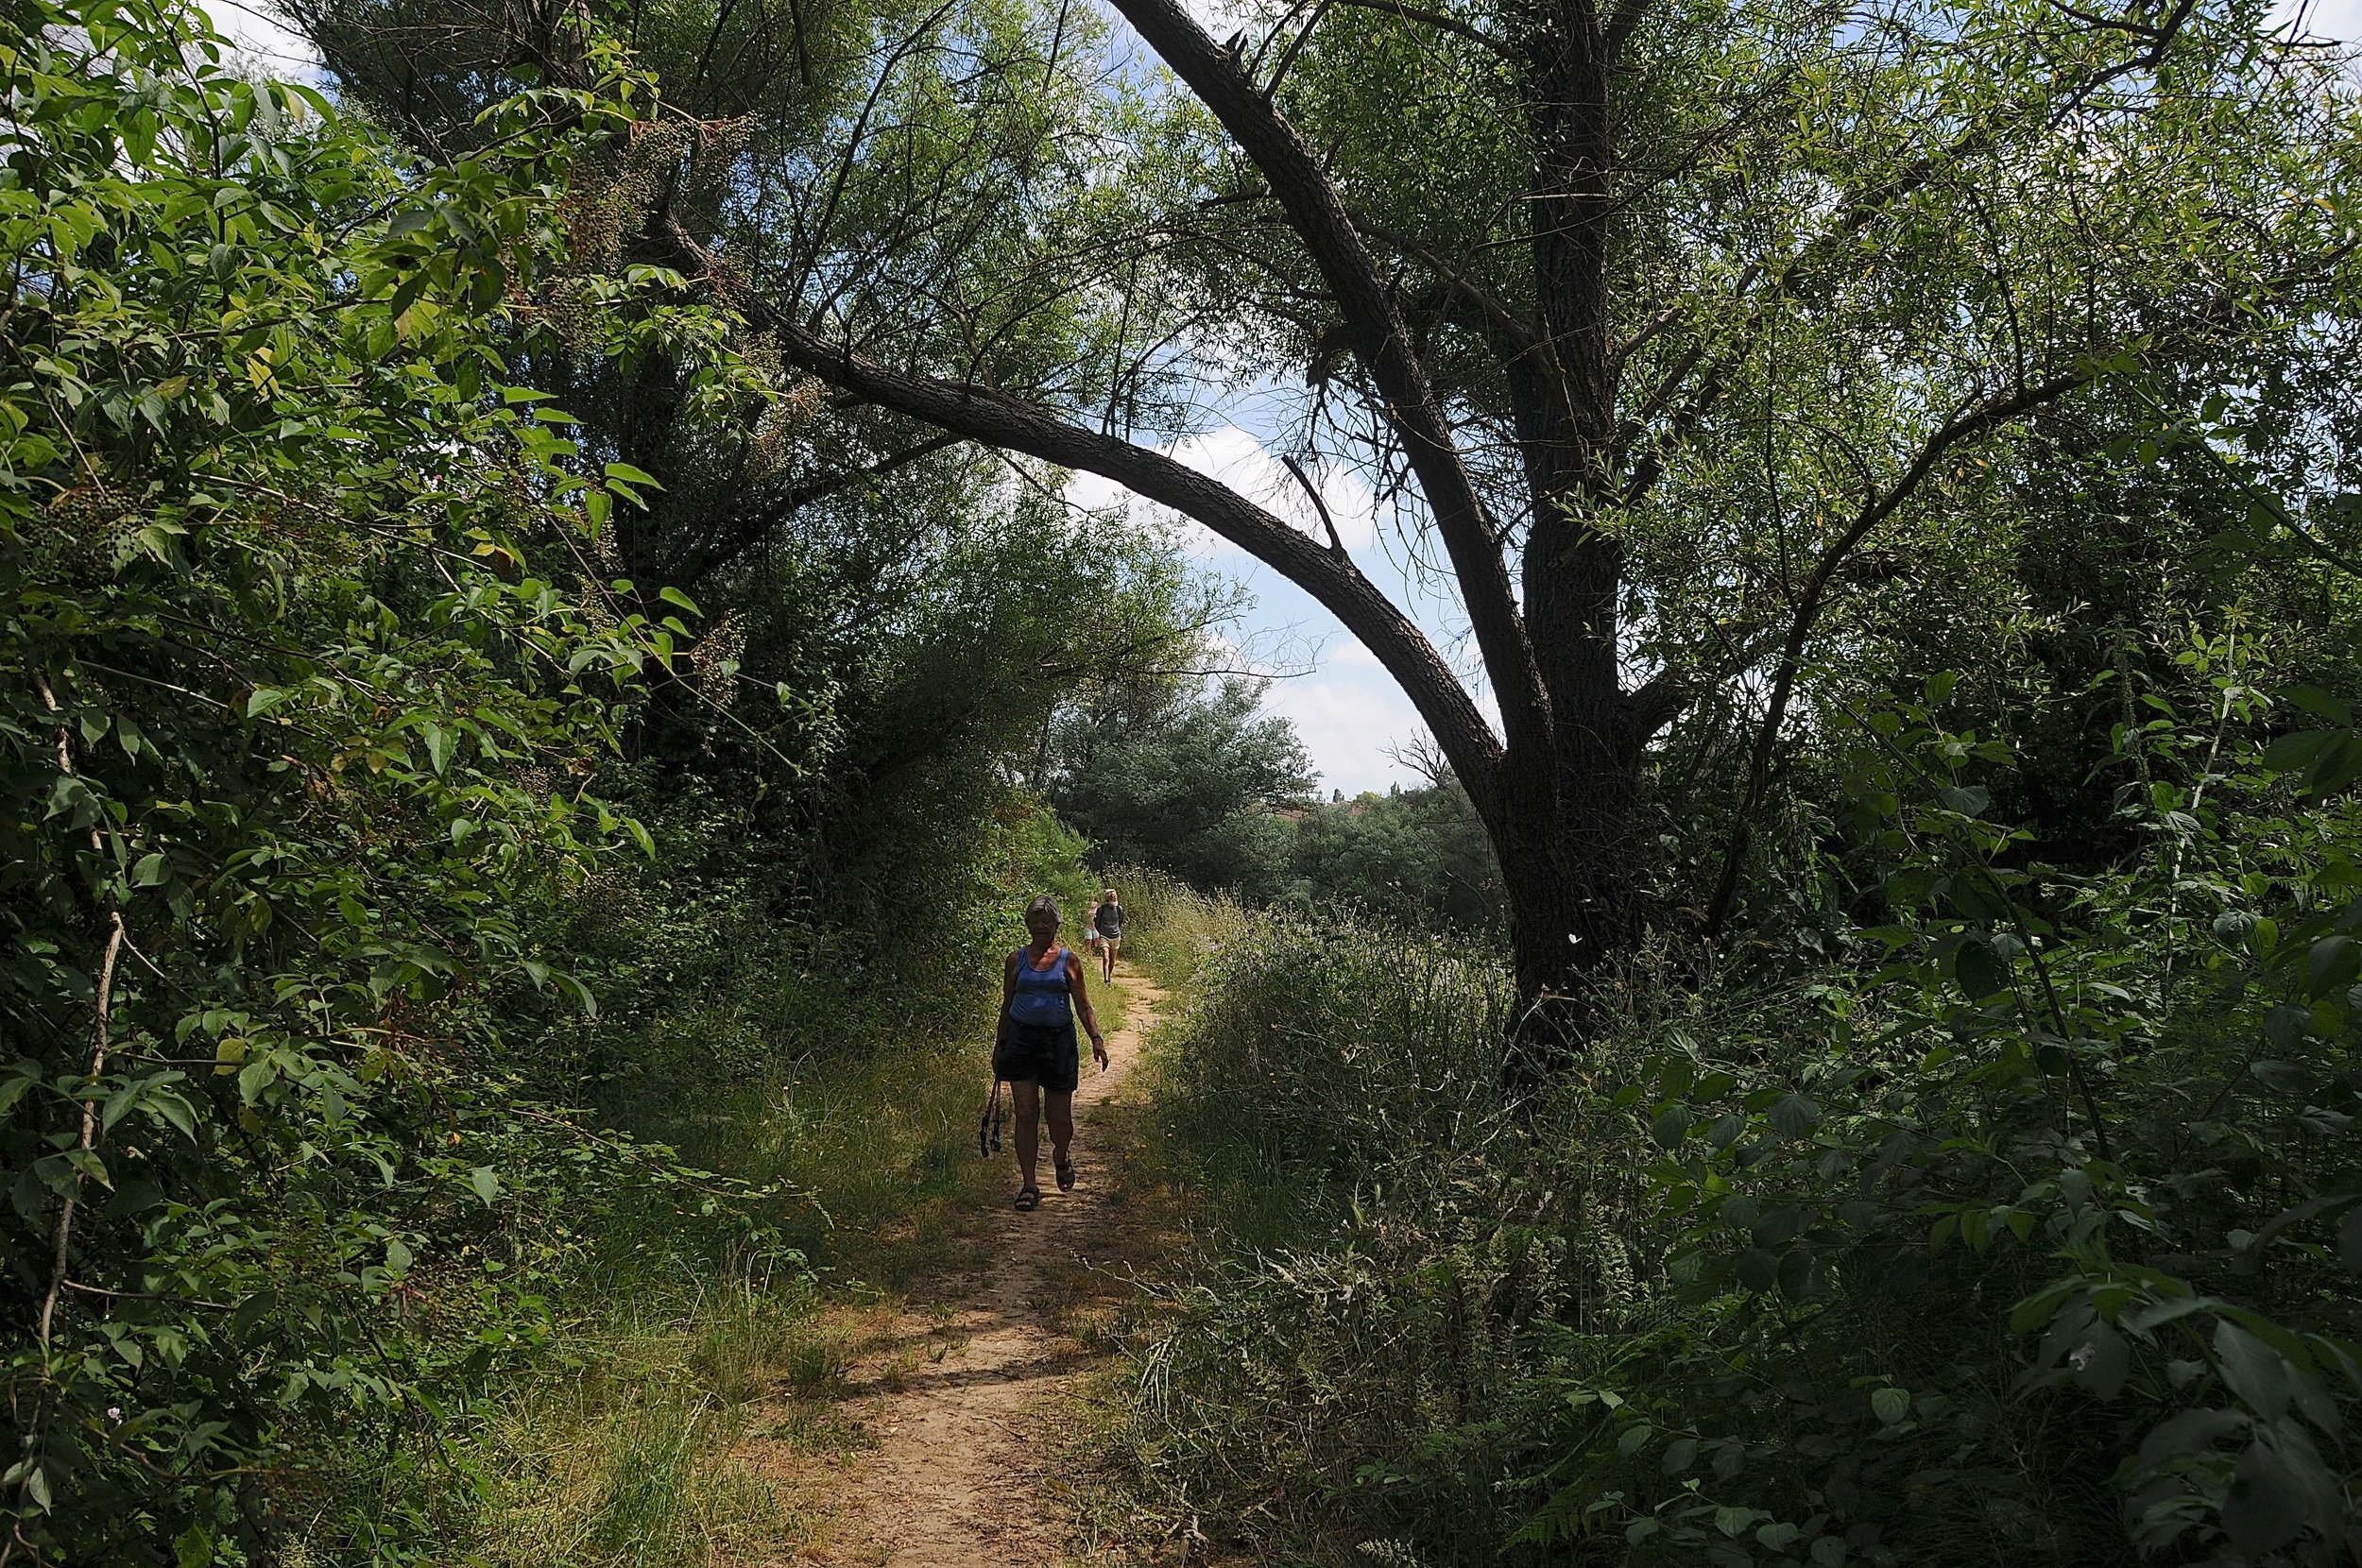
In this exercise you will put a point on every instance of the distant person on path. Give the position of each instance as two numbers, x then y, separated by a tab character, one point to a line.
1042	994
1091	929
1107	922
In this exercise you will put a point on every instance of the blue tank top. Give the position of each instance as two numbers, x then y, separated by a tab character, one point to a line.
1042	995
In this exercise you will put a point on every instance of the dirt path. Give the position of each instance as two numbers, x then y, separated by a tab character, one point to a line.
963	1399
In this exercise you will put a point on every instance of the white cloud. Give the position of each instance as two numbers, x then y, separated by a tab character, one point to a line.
258	32
1349	722
2336	19
1237	458
1347	653
1357	723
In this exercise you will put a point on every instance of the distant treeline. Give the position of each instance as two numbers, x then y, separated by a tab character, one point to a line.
1192	778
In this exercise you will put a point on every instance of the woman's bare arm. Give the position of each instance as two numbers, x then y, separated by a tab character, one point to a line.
1083	1004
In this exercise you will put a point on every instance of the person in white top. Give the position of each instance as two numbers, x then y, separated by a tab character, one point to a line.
1107	928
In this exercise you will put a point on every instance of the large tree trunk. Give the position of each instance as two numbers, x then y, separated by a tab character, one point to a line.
1570	864
1564	829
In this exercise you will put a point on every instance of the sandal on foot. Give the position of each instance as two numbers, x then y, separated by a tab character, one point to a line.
1065	1174
1028	1200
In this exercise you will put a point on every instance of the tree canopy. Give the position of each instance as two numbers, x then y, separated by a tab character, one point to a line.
1185	781
549	615
1655	319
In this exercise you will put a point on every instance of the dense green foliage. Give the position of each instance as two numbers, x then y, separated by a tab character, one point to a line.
1184	778
384	863
2028	1227
314	658
1414	856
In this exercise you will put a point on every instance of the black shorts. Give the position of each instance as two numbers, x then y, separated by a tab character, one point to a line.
1046	1054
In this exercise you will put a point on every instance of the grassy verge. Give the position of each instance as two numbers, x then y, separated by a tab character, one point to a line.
651	1430
1315	1083
1706	1304
628	1440
621	1454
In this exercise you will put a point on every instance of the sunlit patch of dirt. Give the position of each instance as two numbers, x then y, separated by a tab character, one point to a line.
936	1431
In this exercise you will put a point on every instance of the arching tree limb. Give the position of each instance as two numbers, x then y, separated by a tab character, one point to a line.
997	420
1382	343
1980	419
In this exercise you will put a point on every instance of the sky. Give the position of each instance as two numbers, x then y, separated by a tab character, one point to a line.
2341	19
1358	727
257	31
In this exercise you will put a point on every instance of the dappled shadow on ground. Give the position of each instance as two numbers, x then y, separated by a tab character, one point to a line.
962	1393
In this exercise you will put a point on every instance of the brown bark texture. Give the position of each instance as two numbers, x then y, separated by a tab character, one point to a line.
1559	786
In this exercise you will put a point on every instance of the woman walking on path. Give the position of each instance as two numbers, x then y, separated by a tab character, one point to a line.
1042	994
1107	926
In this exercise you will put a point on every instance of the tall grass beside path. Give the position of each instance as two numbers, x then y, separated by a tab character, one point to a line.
1348	1337
1717	1301
814	1090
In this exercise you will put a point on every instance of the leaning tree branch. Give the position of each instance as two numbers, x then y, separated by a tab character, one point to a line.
1980	419
1336	543
1288	56
63	1235
998	419
1436	19
1380	341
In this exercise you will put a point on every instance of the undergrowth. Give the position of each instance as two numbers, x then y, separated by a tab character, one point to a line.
811	1092
2024	1229
619	1452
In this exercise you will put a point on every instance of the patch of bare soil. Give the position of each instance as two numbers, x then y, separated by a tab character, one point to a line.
967	1392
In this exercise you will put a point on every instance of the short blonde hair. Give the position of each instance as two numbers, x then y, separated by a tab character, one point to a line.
1106	893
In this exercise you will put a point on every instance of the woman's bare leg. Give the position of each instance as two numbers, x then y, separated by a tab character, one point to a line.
1061	1107
1029	1125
